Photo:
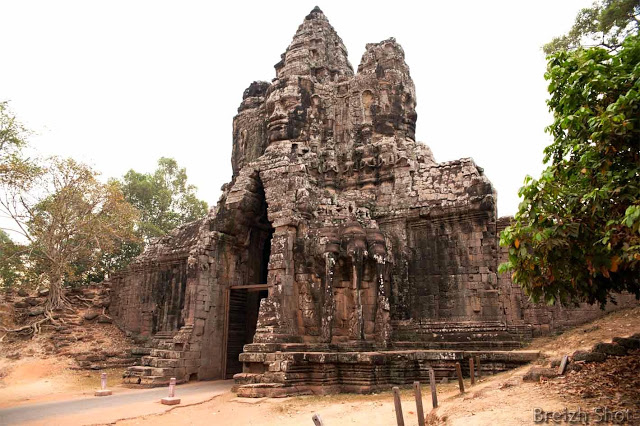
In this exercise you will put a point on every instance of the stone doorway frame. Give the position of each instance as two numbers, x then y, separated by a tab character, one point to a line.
227	298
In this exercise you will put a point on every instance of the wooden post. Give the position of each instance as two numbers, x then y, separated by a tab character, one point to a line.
398	405
459	373
434	393
472	371
317	420
563	365
419	410
477	358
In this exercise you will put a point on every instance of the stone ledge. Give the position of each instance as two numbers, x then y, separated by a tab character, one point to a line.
296	373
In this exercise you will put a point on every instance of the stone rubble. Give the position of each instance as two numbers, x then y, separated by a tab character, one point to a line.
76	333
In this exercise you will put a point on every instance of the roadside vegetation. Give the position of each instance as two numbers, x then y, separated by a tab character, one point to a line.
576	235
64	226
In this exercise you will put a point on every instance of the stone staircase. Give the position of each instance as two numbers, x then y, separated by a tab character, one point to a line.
170	355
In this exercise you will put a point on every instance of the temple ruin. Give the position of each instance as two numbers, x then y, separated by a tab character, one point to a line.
341	256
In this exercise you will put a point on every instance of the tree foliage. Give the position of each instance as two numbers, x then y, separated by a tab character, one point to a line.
607	23
164	198
77	230
13	169
12	270
13	134
13	137
72	227
68	218
576	236
164	201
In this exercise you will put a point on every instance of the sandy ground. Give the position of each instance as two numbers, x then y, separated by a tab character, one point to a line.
489	402
373	410
38	375
502	399
122	404
33	380
622	323
497	400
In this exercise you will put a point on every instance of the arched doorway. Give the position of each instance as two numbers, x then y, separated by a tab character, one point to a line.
243	301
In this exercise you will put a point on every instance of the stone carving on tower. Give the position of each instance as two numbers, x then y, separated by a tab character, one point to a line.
338	242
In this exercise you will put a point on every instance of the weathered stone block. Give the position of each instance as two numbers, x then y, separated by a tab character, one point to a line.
589	356
610	349
628	343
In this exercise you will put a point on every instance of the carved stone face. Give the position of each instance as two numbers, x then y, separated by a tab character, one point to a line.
286	112
396	111
410	115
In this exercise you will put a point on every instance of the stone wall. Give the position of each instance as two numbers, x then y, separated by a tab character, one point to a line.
452	273
151	296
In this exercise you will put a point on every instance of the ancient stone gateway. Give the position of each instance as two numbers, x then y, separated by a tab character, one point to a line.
341	256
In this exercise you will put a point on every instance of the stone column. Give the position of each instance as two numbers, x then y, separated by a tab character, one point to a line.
329	305
277	314
378	251
289	298
358	269
355	237
331	253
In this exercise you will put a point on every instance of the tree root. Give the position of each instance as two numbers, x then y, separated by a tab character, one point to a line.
34	328
60	302
104	313
53	303
84	300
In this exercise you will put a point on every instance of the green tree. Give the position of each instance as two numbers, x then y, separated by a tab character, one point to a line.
13	134
165	199
12	271
576	236
606	24
69	218
13	137
15	170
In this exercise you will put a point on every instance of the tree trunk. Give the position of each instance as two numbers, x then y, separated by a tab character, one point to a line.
56	299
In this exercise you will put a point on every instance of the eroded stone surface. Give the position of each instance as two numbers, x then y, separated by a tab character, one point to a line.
371	251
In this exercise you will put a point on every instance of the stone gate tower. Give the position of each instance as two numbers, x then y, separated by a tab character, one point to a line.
340	256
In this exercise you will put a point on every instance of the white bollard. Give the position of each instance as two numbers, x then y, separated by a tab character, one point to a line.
103	391
171	399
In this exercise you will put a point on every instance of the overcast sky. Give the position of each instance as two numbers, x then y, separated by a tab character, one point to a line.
119	84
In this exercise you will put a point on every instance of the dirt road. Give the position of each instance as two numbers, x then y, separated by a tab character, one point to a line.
121	405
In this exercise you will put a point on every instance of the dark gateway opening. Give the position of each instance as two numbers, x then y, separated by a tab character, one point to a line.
260	234
243	301
242	320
